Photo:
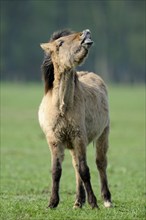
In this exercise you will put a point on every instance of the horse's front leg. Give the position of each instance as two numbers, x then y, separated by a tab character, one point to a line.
80	191
57	151
84	172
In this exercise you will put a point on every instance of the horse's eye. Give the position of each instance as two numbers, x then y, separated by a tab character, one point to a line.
60	43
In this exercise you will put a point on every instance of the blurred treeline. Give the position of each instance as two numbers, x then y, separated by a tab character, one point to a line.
117	26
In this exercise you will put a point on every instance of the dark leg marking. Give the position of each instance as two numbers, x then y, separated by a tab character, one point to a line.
85	176
56	174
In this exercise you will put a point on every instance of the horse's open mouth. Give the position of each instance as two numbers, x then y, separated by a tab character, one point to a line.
87	42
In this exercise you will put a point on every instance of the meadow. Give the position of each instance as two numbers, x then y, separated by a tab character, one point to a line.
26	162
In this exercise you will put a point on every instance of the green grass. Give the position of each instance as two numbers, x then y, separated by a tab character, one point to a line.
26	162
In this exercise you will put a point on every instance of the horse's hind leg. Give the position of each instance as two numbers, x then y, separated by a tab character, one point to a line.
101	162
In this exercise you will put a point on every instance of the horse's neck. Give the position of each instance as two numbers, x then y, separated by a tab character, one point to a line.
64	87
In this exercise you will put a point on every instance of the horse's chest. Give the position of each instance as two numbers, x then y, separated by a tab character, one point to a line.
63	128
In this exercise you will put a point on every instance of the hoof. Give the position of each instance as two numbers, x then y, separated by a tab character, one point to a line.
94	206
93	202
53	203
52	206
77	205
108	204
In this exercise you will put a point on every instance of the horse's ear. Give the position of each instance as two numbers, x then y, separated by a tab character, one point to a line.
46	47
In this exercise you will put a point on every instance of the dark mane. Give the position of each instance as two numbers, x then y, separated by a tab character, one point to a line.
47	67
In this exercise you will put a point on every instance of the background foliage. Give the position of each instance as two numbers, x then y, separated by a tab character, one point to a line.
117	26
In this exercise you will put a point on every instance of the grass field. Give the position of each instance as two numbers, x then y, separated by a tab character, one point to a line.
26	163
